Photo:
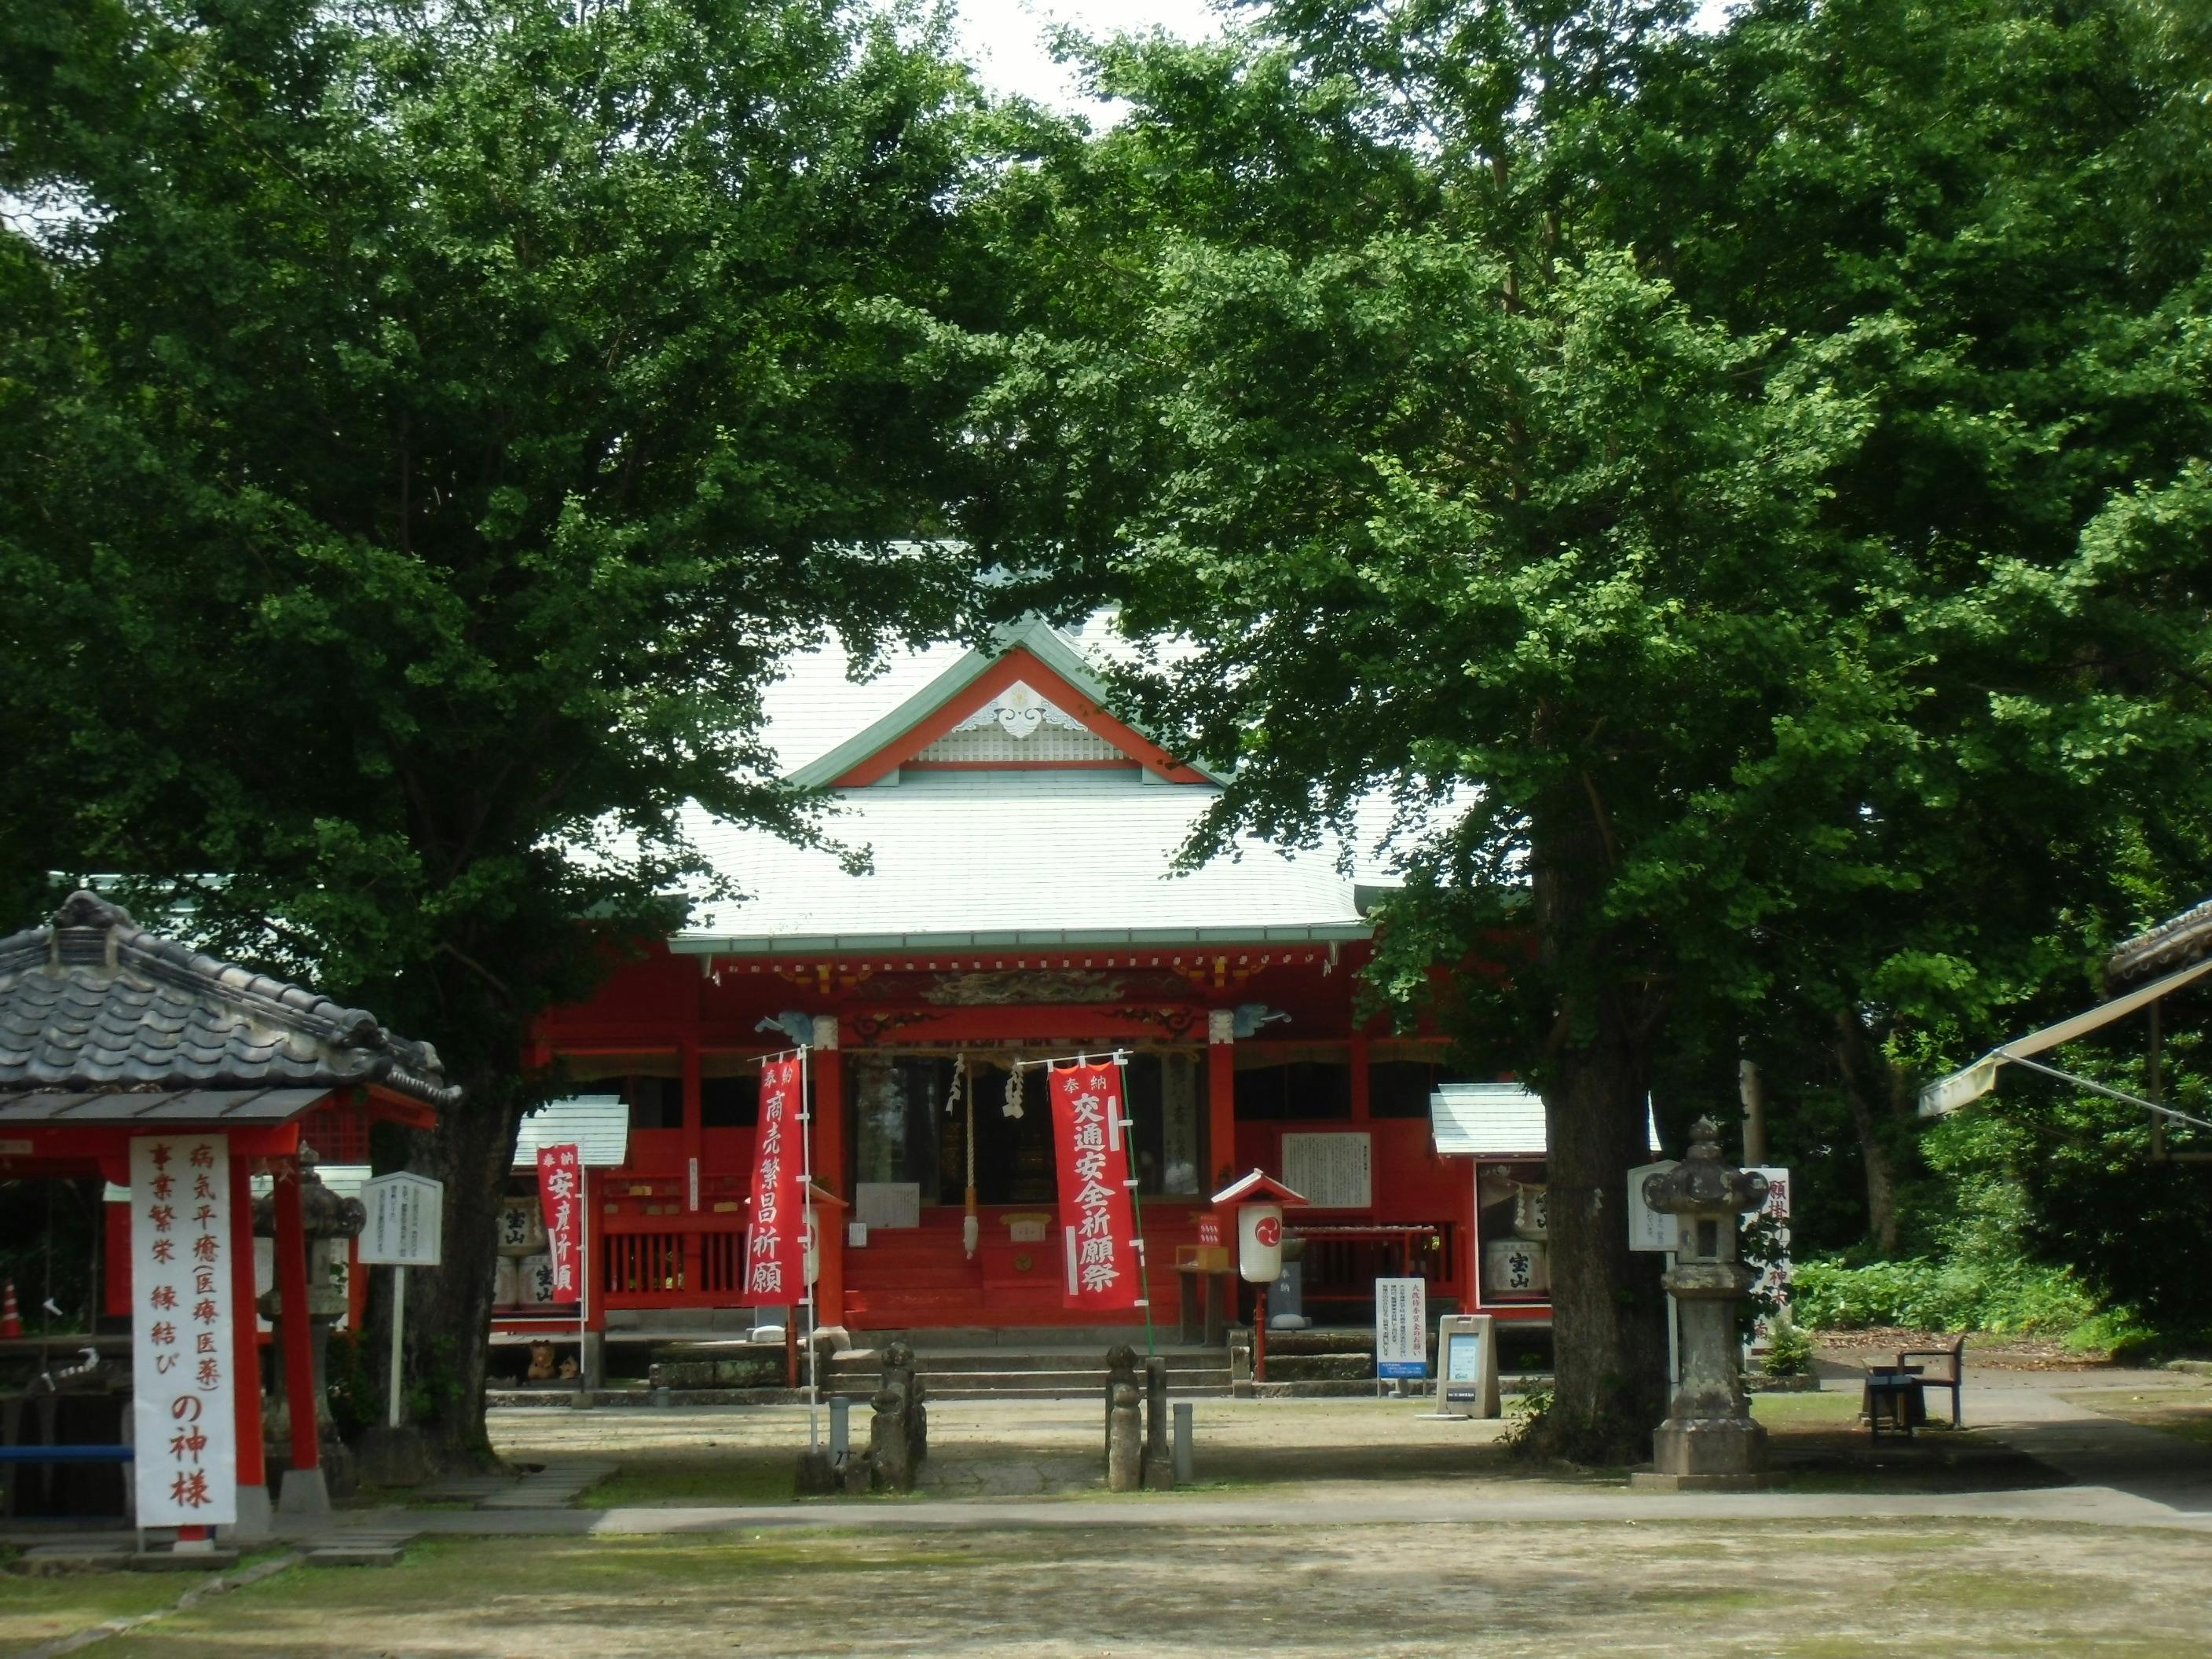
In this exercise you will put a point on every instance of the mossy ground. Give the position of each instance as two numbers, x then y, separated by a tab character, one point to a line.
1304	1588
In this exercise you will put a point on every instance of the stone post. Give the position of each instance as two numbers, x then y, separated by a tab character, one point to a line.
1121	1369
1159	1466
898	1437
1708	1442
1125	1450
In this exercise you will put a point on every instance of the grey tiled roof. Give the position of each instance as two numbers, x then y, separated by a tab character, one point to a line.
92	1002
2174	943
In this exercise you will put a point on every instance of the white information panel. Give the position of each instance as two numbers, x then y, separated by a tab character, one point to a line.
404	1226
1648	1229
1331	1171
183	1406
1401	1327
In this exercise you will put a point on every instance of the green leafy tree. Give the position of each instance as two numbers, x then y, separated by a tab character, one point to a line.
432	425
1417	362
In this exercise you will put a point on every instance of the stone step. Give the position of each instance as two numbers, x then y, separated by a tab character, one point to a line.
858	1361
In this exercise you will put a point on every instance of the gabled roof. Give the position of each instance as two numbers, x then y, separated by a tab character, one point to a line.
1256	1187
597	1125
1034	646
991	858
1496	1120
92	1002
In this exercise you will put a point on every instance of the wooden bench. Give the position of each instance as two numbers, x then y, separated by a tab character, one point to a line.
1955	1381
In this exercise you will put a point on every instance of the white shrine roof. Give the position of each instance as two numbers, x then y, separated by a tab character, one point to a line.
1496	1120
991	858
598	1126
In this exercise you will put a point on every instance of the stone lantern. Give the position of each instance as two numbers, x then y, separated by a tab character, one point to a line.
1708	1442
328	1221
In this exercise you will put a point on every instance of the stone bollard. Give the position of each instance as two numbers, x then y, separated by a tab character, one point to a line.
891	1468
1125	1450
898	1437
1183	1461
1121	1369
1159	1470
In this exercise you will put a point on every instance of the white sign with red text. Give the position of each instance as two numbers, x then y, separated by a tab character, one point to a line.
184	1410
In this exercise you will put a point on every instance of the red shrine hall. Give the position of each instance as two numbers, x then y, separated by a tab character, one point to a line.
1018	905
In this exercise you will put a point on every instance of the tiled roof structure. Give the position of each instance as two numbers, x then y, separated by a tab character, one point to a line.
597	1125
1012	858
1496	1119
92	1002
993	857
2174	943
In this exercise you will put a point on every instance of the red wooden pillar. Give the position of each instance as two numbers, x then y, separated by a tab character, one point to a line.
695	1141
828	1108
296	1329
245	1338
1221	1099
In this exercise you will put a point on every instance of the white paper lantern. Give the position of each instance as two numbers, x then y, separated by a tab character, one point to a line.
1260	1242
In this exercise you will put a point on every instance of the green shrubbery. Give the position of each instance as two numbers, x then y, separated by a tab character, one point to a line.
1938	1296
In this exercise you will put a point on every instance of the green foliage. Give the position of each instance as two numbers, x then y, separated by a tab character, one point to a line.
1740	500
350	1385
433	425
1788	1348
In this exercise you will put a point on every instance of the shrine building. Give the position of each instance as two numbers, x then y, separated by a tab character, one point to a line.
1016	902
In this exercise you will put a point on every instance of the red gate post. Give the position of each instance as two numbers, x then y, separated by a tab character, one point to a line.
245	1359
304	1491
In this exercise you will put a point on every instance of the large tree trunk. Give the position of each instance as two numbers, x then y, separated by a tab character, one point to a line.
1608	1312
1866	1077
449	1307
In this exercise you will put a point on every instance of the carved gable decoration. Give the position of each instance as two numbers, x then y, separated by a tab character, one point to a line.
1019	724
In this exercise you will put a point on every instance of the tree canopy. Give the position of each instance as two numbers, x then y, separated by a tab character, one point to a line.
432	425
1741	496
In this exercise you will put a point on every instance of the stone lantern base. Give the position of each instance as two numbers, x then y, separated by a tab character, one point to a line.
1707	1454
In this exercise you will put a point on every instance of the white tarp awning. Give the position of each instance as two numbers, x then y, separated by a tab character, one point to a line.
1947	1094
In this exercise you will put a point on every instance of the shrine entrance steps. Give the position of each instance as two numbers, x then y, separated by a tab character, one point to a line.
1011	1365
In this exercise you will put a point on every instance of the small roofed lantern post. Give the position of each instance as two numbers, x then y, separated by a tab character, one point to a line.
304	1219
1708	1442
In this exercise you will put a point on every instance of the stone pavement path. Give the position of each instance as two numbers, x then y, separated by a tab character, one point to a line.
554	1486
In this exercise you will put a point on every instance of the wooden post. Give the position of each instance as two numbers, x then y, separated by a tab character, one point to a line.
1259	1335
694	1142
1221	1096
296	1328
245	1338
828	1110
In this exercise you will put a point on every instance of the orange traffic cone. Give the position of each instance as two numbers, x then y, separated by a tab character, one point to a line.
11	1318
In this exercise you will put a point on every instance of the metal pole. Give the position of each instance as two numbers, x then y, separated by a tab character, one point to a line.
398	1332
1136	1199
807	1180
584	1274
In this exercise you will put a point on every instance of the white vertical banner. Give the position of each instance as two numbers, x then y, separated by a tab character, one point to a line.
184	1411
1401	1327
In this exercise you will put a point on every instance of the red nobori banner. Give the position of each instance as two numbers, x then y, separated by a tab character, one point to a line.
776	1245
1098	1216
560	1195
